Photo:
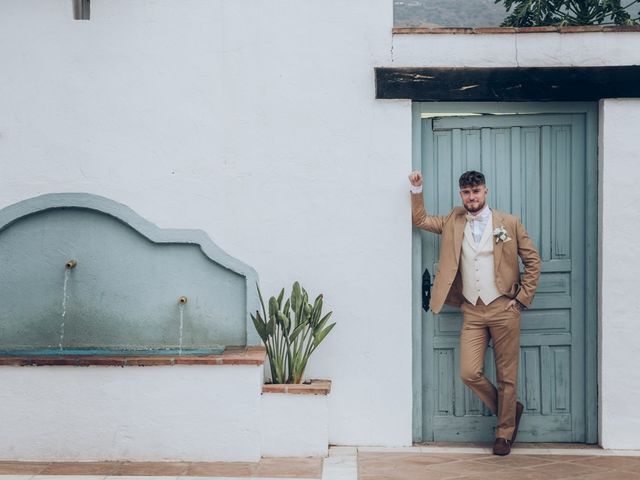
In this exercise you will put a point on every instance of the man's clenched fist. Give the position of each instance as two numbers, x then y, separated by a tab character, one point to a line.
415	178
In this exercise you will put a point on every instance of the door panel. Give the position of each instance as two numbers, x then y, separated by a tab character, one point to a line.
535	166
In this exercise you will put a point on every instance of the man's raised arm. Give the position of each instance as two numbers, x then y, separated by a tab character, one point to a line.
420	217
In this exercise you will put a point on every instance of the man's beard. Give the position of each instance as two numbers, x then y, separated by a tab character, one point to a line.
477	209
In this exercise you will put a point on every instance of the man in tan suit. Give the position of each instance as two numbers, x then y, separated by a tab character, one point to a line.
478	271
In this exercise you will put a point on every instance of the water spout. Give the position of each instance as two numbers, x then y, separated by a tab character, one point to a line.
182	300
70	264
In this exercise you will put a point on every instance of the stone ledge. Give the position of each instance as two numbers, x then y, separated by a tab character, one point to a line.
231	356
503	30
316	387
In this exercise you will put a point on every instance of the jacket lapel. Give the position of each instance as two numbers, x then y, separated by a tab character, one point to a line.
497	247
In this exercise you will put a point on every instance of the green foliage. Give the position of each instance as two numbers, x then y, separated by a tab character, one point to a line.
291	333
530	13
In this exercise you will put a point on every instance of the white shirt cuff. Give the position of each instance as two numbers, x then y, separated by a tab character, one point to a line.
416	189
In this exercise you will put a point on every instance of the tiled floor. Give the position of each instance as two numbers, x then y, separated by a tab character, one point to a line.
424	462
482	466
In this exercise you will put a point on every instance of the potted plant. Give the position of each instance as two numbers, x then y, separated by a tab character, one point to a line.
295	414
291	333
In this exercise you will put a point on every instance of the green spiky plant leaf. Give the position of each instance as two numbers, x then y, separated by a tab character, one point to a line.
291	333
260	326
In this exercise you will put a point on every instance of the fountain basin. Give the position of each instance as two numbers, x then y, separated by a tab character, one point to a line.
160	408
84	358
112	353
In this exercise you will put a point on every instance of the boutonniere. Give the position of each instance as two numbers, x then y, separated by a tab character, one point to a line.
500	233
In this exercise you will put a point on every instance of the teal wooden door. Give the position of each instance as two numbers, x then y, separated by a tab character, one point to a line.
536	166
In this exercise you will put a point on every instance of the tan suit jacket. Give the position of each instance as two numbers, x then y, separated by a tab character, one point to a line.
447	287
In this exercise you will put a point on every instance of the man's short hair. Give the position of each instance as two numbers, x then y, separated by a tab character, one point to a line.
471	179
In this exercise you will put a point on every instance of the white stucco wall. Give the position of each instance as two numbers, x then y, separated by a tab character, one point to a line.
294	425
517	50
256	121
173	413
620	376
252	120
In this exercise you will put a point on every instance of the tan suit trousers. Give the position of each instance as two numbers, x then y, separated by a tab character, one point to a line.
481	322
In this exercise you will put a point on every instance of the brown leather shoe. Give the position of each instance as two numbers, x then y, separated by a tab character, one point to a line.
502	446
519	410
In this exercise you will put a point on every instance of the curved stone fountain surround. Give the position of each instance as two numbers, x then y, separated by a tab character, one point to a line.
134	288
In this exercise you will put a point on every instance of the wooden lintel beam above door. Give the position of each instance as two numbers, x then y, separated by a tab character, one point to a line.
524	84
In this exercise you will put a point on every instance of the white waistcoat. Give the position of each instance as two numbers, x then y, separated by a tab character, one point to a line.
476	267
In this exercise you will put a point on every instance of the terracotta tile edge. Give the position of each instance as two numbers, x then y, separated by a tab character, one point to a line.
316	387
507	30
234	356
